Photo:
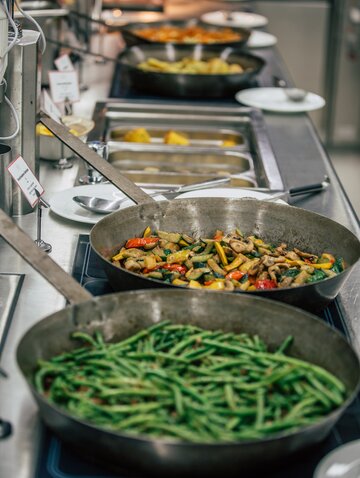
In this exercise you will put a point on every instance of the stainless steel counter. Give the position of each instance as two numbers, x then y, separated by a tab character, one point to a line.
301	159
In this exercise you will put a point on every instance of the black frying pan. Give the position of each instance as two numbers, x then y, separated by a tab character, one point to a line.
130	32
188	85
119	315
273	222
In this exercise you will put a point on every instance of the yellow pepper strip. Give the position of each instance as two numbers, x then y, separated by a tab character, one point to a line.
178	257
221	253
179	282
248	265
147	232
183	243
252	287
194	284
119	255
235	263
325	265
216	285
296	263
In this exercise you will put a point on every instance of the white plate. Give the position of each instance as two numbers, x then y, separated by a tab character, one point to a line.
237	19
63	205
259	39
275	99
343	461
227	193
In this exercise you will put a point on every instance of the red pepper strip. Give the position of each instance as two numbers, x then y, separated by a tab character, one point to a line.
140	242
175	267
237	275
218	235
170	267
208	282
265	284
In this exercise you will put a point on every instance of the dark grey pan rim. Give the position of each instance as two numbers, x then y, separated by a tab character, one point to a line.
181	444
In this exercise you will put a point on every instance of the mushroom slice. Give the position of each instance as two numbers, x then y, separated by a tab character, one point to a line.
263	275
245	245
300	279
132	265
281	249
268	261
285	282
292	256
306	255
133	253
277	269
229	285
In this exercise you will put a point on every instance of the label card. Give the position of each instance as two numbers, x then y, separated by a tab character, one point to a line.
63	63
49	107
64	86
26	180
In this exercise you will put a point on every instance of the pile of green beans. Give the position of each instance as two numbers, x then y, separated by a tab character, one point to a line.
189	384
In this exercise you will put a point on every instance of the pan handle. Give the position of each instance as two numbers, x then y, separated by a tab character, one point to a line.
130	189
40	261
310	188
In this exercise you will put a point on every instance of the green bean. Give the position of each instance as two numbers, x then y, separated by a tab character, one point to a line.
84	338
133	420
179	404
260	408
190	384
230	396
285	345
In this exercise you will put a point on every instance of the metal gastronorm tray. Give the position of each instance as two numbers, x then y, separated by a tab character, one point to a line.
206	121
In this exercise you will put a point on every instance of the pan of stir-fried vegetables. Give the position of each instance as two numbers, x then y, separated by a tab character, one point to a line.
230	245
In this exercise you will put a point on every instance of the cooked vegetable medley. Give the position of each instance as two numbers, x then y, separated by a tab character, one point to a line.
224	262
189	384
189	34
189	66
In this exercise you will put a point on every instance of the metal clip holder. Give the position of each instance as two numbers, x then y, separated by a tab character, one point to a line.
44	246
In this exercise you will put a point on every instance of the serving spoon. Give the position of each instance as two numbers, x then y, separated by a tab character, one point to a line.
107	206
294	94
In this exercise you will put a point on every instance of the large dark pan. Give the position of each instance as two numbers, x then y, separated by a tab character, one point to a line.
131	38
188	85
120	315
275	223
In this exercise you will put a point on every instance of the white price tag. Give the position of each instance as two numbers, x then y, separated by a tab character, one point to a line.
63	63
26	180
64	86
49	107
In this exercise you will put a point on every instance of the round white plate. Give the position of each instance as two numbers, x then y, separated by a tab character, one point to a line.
234	19
259	39
275	99
343	461
63	205
227	193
